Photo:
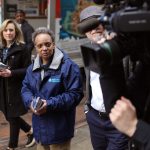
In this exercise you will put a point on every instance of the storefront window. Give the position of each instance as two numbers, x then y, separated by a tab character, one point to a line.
33	8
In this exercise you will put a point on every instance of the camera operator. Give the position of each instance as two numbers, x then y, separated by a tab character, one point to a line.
103	89
131	22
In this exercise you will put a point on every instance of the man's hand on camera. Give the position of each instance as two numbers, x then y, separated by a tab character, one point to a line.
100	35
106	36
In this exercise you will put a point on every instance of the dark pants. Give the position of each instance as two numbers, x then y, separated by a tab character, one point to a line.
103	134
16	124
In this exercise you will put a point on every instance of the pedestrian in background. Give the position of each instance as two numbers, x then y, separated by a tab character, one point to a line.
26	28
13	54
55	80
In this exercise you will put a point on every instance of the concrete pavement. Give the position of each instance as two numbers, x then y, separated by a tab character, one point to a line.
81	140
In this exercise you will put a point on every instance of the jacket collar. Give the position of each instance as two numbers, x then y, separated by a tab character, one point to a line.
58	55
14	47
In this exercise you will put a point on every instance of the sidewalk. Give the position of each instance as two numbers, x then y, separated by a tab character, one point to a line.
81	140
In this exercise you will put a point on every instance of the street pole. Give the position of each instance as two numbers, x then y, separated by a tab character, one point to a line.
51	14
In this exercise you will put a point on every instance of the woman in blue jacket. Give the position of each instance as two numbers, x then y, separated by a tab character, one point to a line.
56	80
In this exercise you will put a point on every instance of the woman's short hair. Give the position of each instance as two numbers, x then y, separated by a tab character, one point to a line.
42	30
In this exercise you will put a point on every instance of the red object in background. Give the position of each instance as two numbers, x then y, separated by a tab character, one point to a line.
42	7
58	9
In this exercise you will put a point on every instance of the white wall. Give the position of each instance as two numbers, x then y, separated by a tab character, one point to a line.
41	22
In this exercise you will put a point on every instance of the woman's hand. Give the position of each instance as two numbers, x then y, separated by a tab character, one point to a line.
41	110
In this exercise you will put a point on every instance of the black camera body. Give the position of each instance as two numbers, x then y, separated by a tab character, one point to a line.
97	57
131	21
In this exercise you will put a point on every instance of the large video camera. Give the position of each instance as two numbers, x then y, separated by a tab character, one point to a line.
130	19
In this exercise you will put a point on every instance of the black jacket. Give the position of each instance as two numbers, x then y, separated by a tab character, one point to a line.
113	85
27	30
142	135
11	103
139	90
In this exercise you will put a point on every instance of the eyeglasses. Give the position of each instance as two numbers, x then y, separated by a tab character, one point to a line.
46	44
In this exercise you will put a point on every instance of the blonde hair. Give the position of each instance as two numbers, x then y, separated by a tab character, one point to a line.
19	36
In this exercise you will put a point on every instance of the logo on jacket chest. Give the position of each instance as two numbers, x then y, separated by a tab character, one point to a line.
54	80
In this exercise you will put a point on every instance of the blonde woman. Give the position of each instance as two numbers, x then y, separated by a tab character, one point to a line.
13	53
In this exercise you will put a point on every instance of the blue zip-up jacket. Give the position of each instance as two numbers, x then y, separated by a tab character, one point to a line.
61	87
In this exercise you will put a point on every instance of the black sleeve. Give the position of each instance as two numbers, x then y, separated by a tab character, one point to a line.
142	134
27	32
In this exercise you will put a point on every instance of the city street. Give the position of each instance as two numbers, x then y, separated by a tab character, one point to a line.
81	141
